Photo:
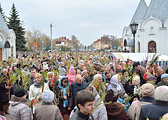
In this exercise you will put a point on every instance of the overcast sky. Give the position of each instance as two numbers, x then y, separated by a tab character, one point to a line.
88	20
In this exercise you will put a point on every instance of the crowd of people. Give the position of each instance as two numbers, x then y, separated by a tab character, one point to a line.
81	86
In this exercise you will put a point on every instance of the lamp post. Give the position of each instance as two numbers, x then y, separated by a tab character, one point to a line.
51	34
134	27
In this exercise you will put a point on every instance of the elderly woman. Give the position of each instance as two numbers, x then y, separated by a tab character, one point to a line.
35	90
159	107
164	80
115	85
147	92
4	91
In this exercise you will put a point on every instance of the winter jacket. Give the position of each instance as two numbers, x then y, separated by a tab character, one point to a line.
71	75
4	97
161	83
100	112
135	108
18	110
48	111
154	111
35	92
75	88
116	111
60	96
80	116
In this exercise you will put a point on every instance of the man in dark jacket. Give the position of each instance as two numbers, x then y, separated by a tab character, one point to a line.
85	104
158	108
77	86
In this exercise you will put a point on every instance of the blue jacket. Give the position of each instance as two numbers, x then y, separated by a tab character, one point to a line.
154	111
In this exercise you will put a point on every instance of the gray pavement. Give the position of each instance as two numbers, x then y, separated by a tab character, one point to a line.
7	116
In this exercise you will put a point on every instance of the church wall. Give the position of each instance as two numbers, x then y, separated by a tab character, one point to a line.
150	31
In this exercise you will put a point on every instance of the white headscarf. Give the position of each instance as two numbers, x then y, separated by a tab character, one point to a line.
114	81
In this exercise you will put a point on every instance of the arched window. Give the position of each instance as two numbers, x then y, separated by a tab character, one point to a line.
139	47
152	47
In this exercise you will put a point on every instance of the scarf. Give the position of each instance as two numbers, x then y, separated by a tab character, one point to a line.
38	85
114	81
64	90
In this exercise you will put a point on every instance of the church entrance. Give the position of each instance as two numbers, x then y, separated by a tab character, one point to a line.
0	54
152	47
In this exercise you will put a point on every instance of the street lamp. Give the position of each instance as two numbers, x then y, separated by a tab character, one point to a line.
134	27
51	34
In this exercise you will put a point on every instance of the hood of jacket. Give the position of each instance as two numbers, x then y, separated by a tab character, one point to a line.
114	109
63	77
72	71
16	100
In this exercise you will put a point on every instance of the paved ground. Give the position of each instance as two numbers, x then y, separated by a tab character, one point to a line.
7	116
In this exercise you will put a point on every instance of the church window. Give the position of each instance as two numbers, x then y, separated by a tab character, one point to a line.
152	47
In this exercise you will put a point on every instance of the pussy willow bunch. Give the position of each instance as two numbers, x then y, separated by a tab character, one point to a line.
44	76
26	81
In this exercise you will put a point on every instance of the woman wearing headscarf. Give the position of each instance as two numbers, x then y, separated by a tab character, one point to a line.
115	85
64	94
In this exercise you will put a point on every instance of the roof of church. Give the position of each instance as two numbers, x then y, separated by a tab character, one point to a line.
3	24
158	9
140	12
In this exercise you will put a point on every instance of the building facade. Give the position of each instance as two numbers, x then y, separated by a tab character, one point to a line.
152	32
7	41
102	43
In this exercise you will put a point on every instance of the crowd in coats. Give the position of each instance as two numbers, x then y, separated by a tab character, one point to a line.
82	87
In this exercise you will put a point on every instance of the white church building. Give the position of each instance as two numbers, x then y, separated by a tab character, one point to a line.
7	41
152	32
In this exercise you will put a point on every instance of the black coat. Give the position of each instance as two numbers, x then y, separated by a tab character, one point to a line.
79	116
4	97
130	91
75	88
154	111
60	96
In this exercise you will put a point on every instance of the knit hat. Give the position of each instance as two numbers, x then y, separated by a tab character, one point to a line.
19	92
151	78
164	76
161	93
47	96
147	89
